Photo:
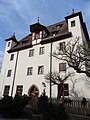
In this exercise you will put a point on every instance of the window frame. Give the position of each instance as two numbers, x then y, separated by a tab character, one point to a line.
29	71
9	44
40	34
73	23
11	57
41	70
31	53
64	86
37	36
33	36
41	50
62	46
9	73
62	67
6	90
66	89
19	90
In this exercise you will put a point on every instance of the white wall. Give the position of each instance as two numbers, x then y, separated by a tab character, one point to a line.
7	65
24	61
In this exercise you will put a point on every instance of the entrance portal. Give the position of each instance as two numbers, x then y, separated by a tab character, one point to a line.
33	91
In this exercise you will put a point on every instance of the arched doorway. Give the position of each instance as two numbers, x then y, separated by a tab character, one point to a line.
33	91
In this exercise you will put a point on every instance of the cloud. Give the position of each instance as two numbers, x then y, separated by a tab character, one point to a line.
24	9
17	15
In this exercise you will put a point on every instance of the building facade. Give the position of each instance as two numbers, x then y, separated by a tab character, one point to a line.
27	61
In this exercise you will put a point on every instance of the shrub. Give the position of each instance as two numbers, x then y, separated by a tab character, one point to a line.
51	111
4	106
13	107
42	102
55	112
84	101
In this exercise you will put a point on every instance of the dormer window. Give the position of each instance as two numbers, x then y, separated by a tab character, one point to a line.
44	34
58	26
40	34
37	36
54	33
24	42
33	36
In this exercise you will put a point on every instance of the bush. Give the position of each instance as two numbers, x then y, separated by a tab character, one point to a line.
51	111
84	101
4	106
42	103
13	107
55	112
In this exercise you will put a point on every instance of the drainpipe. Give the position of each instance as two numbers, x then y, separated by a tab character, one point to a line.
14	73
50	70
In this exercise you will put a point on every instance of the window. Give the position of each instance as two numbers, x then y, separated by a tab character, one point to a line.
66	90
62	67
63	87
31	53
6	90
8	44
40	69
58	26
19	90
73	23
62	46
41	51
40	34
9	73
44	34
12	57
37	36
25	42
33	36
30	71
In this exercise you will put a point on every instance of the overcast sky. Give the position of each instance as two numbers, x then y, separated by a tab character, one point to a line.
17	15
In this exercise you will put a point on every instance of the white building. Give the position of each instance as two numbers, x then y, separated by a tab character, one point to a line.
26	62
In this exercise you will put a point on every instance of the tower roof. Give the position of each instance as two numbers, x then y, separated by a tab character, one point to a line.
12	37
37	27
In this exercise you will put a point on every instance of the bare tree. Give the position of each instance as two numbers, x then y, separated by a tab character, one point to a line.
57	79
76	55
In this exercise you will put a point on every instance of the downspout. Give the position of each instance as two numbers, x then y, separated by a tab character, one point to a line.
50	71
14	73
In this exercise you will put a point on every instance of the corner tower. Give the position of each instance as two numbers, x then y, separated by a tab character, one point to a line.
11	42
